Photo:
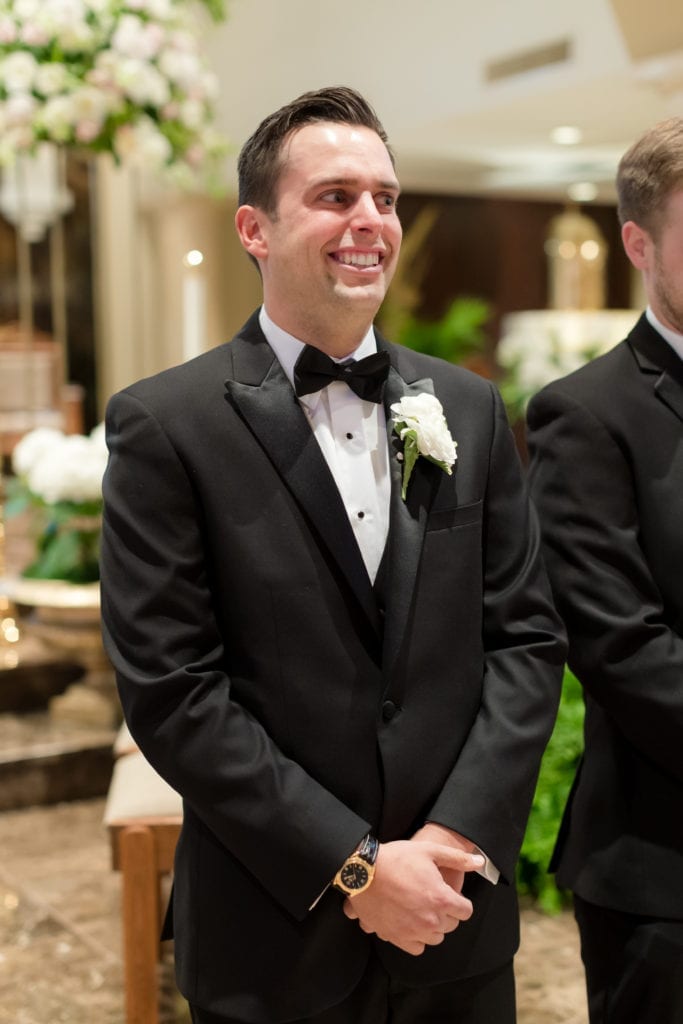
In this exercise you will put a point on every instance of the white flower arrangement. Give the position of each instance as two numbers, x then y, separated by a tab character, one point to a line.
59	477
421	425
538	346
125	77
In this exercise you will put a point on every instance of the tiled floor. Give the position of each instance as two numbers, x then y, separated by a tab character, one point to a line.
59	918
60	935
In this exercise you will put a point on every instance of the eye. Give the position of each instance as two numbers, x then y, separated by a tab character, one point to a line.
334	196
387	202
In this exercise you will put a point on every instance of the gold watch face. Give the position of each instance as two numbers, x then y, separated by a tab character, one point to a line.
354	875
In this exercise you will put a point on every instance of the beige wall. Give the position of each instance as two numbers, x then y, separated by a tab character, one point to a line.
141	237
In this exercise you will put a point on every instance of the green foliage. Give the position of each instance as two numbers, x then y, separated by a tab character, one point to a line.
455	337
67	542
216	9
557	772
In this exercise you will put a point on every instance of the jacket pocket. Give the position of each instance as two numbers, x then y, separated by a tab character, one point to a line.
450	518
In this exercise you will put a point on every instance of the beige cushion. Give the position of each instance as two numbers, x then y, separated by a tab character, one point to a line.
124	742
136	791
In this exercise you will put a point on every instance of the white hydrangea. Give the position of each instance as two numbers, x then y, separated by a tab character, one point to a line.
142	56
142	144
137	38
60	467
18	71
50	79
31	446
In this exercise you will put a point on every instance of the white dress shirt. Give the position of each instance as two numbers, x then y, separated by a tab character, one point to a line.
352	435
672	337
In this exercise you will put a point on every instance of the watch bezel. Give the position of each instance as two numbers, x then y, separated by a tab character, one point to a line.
364	857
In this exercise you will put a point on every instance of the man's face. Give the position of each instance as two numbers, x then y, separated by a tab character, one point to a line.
664	271
329	252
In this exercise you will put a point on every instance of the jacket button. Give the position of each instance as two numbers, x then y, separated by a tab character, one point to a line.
389	709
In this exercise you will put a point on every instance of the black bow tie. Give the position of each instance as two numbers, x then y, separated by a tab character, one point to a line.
314	370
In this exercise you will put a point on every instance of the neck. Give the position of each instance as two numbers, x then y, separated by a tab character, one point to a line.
336	339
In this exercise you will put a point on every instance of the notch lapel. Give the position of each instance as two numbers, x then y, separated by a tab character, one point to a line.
267	403
655	356
670	391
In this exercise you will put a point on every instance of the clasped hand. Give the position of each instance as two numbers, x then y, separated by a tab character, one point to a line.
415	900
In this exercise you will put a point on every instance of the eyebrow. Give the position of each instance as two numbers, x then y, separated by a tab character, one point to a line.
392	185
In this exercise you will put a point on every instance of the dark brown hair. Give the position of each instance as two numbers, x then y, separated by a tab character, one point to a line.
260	161
648	173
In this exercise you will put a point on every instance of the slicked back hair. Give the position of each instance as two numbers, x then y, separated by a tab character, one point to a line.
260	161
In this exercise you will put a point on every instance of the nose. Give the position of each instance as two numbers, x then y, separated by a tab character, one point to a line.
366	216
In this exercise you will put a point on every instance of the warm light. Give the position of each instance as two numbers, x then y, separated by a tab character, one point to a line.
566	135
582	191
590	250
10	633
566	250
193	258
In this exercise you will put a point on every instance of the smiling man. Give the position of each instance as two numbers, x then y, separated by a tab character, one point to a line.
331	636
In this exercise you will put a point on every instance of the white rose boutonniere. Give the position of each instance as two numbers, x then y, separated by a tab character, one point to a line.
420	423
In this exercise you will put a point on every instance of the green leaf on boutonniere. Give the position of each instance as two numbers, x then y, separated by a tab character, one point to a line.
410	456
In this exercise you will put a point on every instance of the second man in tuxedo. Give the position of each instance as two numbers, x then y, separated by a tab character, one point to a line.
607	472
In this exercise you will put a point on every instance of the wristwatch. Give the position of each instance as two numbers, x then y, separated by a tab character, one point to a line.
357	872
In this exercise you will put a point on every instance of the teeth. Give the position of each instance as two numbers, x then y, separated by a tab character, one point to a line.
359	259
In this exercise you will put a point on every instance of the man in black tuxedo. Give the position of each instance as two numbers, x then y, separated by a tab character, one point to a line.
350	688
606	448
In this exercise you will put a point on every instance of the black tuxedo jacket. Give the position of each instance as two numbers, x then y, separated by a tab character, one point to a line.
294	708
606	446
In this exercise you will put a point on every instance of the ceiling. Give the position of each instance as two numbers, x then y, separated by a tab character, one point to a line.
433	71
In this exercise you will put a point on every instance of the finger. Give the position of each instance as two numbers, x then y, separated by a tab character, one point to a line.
414	948
347	907
458	860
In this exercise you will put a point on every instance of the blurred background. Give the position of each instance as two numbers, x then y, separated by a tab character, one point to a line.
118	258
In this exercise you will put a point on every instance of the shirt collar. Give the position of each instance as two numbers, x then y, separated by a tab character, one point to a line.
673	337
287	348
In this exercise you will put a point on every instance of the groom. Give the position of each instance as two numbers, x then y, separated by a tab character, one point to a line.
351	689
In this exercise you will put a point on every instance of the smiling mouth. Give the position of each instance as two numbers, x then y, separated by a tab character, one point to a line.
358	259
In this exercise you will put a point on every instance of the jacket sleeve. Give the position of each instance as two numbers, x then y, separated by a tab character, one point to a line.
622	648
162	636
489	792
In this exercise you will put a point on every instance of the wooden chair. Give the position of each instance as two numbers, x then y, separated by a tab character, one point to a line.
144	816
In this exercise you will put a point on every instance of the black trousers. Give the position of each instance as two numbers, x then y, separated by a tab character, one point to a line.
634	966
485	999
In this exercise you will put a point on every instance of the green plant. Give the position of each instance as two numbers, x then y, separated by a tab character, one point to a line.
455	337
557	772
58	484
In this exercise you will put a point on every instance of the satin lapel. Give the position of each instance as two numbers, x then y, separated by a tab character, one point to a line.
656	356
671	393
274	416
407	522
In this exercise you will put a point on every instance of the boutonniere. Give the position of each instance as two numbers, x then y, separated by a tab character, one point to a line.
420	423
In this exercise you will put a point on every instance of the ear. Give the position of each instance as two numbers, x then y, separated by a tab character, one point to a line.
249	221
637	244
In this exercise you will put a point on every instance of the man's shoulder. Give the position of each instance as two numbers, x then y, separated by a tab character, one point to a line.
184	379
197	377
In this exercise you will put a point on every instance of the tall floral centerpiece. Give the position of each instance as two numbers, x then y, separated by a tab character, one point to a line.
125	77
58	482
